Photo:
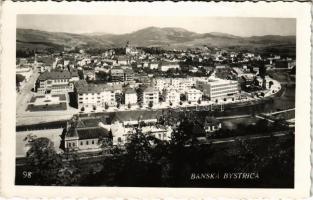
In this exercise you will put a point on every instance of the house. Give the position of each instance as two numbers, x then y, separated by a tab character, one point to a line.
154	65
193	95
211	125
123	60
165	66
172	97
85	134
89	74
150	96
130	96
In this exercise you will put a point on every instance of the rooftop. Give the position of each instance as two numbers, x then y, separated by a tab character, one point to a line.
54	75
135	115
150	89
92	133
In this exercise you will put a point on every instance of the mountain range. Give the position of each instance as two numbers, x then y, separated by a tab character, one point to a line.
148	37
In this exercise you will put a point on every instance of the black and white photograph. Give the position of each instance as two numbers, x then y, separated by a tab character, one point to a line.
159	102
164	101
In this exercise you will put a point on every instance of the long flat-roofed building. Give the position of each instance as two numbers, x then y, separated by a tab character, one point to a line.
218	88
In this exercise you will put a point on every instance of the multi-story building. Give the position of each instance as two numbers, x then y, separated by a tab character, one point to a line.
218	88
55	82
193	95
150	95
172	96
94	96
117	74
130	96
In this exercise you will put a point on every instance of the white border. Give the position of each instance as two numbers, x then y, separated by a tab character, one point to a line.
300	11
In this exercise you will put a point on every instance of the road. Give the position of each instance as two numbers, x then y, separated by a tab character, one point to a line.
25	93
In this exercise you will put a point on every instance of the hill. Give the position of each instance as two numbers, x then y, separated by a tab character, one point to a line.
151	36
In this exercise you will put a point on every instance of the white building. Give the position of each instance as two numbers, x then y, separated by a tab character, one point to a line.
172	96
193	95
169	65
94	96
218	88
150	94
130	96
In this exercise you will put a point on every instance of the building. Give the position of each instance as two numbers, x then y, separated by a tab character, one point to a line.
150	96
89	74
165	66
130	96
172	96
85	134
123	60
218	88
93	96
193	95
117	74
128	75
211	125
54	82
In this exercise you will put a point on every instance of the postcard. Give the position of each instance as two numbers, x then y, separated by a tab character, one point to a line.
155	100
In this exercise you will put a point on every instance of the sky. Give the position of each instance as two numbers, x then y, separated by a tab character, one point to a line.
126	24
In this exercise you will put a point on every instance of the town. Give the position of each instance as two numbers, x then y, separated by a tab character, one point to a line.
90	101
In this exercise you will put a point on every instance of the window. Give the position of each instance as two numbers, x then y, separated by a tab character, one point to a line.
73	144
81	143
87	142
92	142
119	139
69	144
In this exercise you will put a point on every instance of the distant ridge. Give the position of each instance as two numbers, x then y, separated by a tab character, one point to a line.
168	37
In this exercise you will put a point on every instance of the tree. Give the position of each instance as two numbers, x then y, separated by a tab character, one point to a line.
47	166
150	104
19	78
106	106
264	84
